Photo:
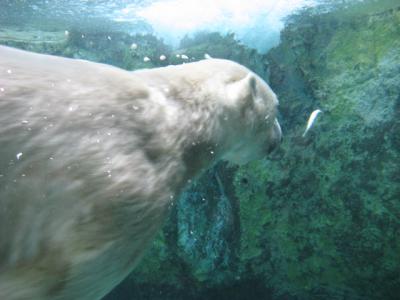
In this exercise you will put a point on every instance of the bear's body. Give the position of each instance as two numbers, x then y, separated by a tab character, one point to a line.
92	156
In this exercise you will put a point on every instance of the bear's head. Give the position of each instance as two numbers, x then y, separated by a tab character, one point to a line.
222	109
255	128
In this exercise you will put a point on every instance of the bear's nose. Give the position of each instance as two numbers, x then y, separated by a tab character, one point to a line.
276	137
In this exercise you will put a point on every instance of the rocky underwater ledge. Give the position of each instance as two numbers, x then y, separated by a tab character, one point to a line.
321	218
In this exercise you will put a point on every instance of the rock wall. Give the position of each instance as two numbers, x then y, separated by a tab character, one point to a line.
321	218
334	195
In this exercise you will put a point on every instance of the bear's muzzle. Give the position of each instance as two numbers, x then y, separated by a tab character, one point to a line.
276	137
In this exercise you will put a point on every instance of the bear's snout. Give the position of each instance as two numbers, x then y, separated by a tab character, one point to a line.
276	137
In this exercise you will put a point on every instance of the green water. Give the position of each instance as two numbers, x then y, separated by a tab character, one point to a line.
320	217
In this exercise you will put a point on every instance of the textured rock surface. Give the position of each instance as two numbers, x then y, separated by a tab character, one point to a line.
321	219
333	197
218	46
115	48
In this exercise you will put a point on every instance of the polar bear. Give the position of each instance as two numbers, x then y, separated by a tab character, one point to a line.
92	156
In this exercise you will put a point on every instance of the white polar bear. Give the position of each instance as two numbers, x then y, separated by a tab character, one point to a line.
91	157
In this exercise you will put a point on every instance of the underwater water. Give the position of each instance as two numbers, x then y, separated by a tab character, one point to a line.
319	218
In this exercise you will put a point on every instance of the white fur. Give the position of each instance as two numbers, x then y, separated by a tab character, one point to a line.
104	152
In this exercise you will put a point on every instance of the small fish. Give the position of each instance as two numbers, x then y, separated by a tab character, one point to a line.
207	56
183	56
311	120
163	57
19	155
146	59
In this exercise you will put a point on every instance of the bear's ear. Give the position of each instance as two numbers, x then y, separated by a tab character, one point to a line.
243	90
